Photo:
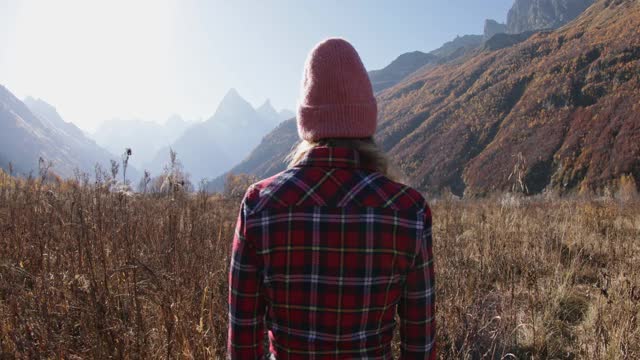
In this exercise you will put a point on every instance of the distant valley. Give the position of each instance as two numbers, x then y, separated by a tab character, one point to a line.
145	138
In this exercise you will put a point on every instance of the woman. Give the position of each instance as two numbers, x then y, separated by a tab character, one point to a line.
326	252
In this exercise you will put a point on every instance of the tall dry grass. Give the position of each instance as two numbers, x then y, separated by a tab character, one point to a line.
86	272
538	278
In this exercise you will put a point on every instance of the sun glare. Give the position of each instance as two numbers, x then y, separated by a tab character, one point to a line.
124	46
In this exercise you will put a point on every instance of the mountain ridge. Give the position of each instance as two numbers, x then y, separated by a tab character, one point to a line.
411	62
532	15
533	110
210	148
33	129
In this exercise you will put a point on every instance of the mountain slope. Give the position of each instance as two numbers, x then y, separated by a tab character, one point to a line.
562	108
399	68
269	114
30	132
457	47
48	113
417	61
267	158
566	100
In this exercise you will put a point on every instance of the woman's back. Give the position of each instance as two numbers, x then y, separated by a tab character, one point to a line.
326	253
328	249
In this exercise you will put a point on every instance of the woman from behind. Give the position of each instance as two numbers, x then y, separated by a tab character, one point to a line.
327	252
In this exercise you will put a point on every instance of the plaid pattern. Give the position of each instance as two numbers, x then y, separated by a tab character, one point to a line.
324	255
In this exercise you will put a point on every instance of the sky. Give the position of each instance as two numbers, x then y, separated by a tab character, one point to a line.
149	59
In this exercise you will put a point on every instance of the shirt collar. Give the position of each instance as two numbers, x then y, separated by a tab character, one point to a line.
333	157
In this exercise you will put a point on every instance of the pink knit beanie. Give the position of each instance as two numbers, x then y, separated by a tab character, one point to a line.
337	99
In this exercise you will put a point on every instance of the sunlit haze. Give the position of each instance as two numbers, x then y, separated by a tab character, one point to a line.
98	60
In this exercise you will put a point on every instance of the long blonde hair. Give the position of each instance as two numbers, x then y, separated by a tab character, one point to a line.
370	153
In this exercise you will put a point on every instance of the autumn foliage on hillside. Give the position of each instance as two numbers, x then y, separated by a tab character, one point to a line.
567	102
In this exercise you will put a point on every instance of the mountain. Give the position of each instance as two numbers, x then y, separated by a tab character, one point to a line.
175	126
145	138
558	110
492	27
269	114
529	15
49	113
417	61
33	129
209	148
504	40
399	68
565	100
458	47
267	158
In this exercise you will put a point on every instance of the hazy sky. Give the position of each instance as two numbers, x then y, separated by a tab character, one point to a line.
96	60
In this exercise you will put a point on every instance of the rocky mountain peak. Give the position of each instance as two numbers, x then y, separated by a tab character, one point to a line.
492	27
528	15
232	96
266	108
232	107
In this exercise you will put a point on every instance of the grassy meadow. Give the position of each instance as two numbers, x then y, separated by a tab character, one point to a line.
88	272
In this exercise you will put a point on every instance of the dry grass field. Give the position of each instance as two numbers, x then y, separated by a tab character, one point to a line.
86	272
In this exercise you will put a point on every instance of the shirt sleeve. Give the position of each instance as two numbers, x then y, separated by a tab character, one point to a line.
417	305
246	304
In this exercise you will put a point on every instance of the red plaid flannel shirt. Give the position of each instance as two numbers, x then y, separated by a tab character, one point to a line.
324	255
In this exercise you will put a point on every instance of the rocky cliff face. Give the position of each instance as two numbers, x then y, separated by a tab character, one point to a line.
529	15
492	27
